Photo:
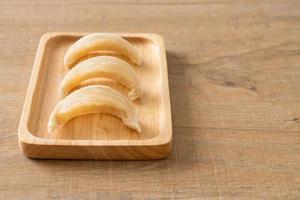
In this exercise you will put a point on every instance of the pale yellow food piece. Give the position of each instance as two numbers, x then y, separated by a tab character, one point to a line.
102	66
100	42
94	99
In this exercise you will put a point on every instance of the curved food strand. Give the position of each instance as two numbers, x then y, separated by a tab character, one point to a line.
94	99
100	42
102	66
105	53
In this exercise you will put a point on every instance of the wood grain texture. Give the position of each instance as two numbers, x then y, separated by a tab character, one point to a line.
234	84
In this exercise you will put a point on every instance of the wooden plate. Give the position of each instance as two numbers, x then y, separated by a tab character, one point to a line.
97	136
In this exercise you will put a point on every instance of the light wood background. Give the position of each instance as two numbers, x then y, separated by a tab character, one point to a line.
234	73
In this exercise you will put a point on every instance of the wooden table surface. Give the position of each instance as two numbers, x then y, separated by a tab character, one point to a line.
234	74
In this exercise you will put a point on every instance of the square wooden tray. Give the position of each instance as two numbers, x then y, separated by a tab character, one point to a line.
97	136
